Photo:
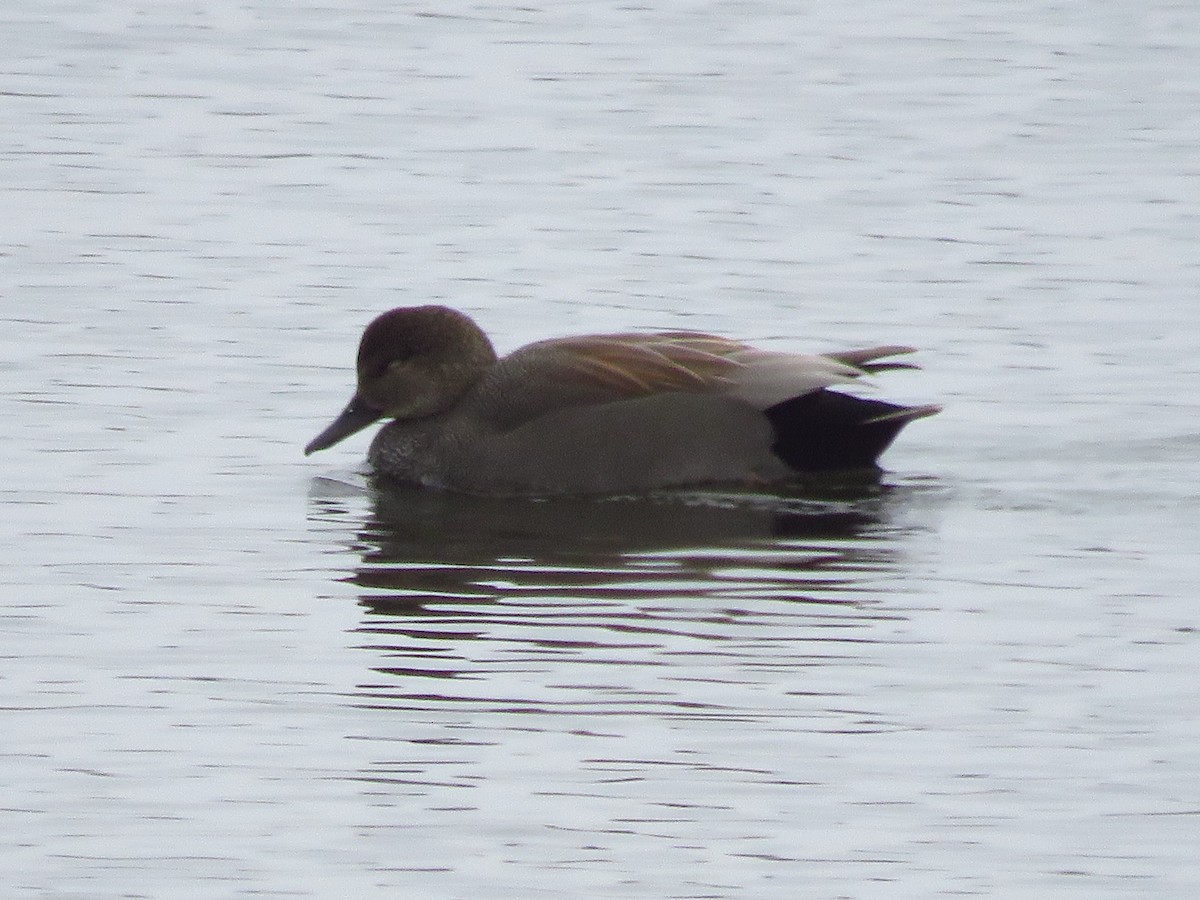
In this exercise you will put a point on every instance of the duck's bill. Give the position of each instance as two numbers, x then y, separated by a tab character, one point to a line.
355	417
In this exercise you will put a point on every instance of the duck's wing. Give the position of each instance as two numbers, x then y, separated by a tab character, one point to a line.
602	368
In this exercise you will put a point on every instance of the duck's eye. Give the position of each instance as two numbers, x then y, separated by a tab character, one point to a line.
378	366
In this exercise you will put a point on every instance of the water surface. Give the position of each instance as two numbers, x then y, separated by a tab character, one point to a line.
227	670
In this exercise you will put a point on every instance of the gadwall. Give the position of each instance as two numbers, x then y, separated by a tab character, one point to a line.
605	413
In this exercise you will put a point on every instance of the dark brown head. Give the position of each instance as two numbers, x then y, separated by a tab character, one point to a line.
412	362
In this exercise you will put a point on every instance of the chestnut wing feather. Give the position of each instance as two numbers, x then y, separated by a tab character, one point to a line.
603	368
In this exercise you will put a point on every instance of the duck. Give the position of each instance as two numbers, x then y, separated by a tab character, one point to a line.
607	413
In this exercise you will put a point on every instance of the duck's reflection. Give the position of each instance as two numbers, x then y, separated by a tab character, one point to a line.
422	549
469	588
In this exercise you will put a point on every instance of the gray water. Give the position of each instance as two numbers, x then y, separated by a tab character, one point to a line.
227	670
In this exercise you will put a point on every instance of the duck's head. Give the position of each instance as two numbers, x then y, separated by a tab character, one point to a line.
412	362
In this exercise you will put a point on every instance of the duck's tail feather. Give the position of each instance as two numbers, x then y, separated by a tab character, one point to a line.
867	359
826	430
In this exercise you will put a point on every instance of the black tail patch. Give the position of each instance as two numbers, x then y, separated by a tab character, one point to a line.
827	430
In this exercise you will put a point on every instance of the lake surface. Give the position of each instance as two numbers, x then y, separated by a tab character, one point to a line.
227	670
